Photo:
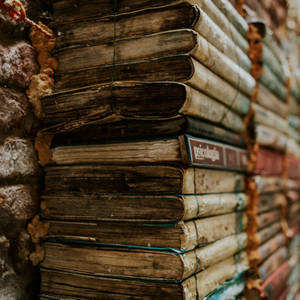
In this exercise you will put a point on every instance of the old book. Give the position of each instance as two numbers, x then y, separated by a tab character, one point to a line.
138	101
266	233
231	289
126	262
93	133
268	218
184	150
275	65
184	235
268	184
232	14
184	69
269	201
273	284
292	164
203	17
80	206
141	179
268	137
268	162
162	44
269	101
273	262
266	117
269	247
273	83
59	283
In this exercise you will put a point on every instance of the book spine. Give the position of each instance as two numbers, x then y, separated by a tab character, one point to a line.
206	230
216	87
268	162
203	129
276	281
198	105
268	100
268	218
293	167
268	137
232	14
210	279
214	35
266	233
265	117
205	153
270	201
272	263
268	184
223	66
196	206
273	84
271	246
273	63
205	181
204	257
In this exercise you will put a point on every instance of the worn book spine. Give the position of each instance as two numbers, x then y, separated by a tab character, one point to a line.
268	162
271	246
132	129
133	101
188	234
268	100
276	281
267	218
292	167
205	282
270	201
213	253
232	14
265	117
273	84
273	262
268	184
269	137
111	207
182	69
231	288
184	150
273	63
142	179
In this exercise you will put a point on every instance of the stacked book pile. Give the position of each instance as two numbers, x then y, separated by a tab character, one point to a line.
292	175
145	191
268	134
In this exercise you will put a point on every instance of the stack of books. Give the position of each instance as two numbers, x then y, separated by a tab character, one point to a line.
145	193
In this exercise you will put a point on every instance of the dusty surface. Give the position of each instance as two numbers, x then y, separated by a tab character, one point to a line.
17	65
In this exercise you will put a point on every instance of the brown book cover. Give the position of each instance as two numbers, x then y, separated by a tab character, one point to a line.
184	150
184	235
141	179
80	206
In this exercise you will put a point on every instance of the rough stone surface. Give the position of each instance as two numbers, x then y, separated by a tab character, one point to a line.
18	202
17	159
17	65
15	116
